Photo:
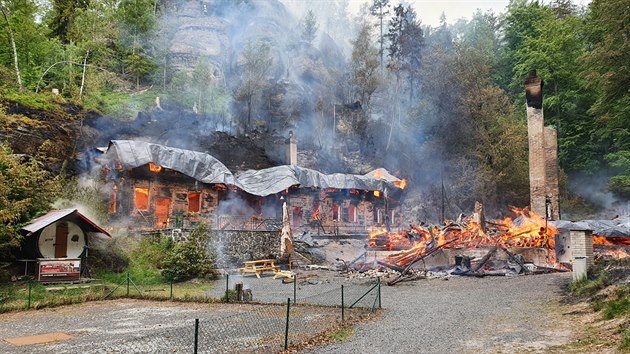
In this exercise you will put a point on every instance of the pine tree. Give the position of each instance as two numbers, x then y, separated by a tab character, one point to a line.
309	27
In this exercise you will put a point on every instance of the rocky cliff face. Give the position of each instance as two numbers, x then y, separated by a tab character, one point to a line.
217	31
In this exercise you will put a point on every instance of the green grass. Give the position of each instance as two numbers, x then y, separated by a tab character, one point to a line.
342	334
617	307
15	297
43	101
123	105
588	287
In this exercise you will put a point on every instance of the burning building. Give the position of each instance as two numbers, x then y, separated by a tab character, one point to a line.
163	187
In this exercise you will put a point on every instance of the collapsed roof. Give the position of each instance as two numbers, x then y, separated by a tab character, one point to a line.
207	169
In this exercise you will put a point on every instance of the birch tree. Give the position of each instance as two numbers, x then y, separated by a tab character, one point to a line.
6	15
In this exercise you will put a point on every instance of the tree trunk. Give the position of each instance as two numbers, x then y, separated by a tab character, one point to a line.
249	113
12	39
83	76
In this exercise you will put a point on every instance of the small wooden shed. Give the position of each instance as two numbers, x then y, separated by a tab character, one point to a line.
56	241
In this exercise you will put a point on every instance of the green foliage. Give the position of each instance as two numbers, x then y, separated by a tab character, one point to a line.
231	296
121	105
625	340
255	67
63	16
620	184
26	190
364	65
199	89
190	259
309	27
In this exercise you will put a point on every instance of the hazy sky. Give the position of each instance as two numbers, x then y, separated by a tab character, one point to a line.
429	11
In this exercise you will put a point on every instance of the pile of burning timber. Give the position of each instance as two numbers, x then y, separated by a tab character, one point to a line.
419	242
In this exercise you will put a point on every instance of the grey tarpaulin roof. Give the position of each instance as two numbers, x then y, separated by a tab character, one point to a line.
619	227
198	165
207	169
276	179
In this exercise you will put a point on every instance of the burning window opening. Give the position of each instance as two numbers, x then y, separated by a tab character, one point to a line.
335	212
141	198
114	200
194	202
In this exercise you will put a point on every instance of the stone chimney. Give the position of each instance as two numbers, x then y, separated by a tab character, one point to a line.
552	185
543	153
291	149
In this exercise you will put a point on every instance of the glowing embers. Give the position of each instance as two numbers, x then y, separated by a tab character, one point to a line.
611	247
141	198
154	168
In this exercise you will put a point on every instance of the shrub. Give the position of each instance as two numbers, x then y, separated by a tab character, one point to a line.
625	340
190	259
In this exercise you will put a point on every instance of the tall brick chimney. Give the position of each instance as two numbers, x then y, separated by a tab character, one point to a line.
543	153
552	185
291	149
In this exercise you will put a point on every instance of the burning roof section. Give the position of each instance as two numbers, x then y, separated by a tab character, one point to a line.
207	169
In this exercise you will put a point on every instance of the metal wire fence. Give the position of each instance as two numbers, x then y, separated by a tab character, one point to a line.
285	315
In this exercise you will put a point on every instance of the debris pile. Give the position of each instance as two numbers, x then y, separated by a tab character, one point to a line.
468	246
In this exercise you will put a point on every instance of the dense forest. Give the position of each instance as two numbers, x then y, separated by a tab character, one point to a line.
442	106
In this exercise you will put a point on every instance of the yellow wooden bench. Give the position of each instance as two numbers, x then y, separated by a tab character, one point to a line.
258	267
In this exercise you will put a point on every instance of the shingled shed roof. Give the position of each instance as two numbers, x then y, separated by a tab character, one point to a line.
207	169
55	215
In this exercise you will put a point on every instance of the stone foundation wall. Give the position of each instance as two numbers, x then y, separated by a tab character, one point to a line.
232	247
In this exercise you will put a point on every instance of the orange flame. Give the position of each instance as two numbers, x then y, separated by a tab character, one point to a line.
377	194
527	230
401	184
379	174
154	168
610	241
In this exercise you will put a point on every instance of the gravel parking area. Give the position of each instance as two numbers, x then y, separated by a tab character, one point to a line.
492	314
138	326
462	314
